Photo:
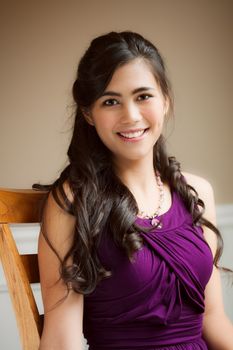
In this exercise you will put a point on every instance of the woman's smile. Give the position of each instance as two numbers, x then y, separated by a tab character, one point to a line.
133	136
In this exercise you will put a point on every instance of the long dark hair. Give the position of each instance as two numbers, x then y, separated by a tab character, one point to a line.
100	199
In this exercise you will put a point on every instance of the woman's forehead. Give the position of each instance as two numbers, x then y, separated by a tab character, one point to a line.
132	75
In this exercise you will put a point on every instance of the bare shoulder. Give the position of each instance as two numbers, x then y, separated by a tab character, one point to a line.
206	194
68	191
201	185
62	195
58	224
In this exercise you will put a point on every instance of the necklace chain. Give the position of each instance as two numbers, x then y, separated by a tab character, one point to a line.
152	217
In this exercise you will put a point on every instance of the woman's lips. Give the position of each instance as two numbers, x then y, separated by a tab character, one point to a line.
133	135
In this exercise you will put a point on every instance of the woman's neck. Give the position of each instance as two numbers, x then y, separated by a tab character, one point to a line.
137	175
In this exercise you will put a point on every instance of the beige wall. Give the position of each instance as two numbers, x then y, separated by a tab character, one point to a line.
40	47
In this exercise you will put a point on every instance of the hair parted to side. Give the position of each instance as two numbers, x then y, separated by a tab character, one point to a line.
100	200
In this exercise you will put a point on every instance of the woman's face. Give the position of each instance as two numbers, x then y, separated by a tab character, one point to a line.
129	116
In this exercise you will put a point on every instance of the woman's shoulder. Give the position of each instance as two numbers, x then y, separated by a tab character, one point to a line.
62	196
201	185
206	194
205	191
68	191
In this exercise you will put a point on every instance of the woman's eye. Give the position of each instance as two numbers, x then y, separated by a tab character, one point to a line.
144	97
110	102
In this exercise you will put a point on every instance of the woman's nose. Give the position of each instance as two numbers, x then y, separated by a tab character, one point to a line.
131	113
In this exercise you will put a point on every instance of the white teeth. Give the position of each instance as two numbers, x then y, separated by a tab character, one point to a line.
132	135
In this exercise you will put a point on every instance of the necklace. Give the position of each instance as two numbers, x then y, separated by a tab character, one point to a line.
153	218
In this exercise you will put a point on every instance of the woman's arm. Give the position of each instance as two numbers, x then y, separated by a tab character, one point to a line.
63	314
217	328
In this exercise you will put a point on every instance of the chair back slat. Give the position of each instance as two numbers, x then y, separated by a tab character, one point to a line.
21	206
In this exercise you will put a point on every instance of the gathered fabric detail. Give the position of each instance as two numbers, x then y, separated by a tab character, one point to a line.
157	301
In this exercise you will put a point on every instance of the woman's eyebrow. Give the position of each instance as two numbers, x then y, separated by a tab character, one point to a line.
135	91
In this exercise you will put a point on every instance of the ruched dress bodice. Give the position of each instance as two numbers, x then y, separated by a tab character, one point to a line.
157	301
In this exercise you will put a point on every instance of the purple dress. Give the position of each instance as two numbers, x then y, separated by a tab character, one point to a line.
156	302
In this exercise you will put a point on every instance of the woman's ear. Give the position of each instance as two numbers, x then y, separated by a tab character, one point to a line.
87	115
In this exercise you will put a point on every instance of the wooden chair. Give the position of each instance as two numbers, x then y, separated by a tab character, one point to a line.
21	206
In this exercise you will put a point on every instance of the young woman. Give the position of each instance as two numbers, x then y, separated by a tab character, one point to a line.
128	249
